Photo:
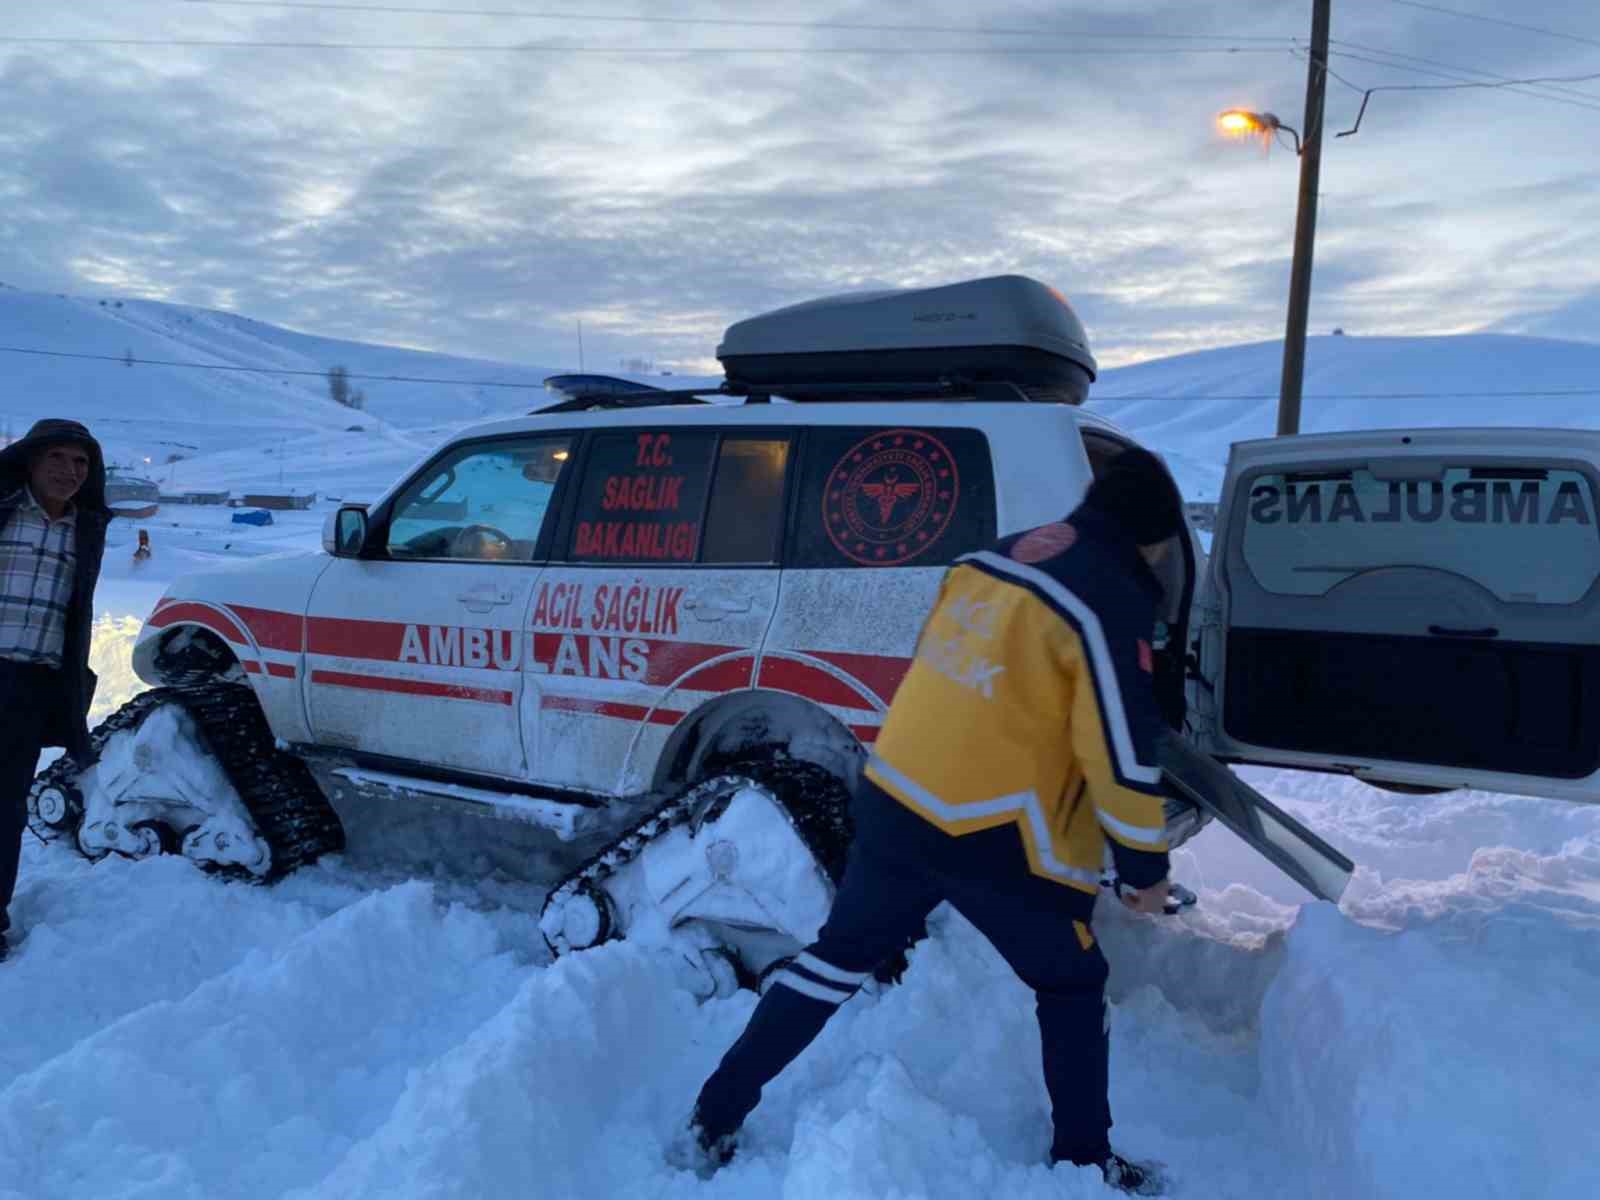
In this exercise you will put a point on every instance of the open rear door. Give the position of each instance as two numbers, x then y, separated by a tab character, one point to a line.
1416	607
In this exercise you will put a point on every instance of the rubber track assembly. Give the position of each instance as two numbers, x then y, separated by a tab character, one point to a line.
289	810
815	802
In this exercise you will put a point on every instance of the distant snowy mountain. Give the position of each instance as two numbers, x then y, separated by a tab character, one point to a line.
1193	406
68	356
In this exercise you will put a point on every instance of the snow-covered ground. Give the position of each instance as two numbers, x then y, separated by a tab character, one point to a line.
345	1034
341	1035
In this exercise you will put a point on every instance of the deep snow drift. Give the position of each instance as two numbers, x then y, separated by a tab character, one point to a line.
346	1034
336	1036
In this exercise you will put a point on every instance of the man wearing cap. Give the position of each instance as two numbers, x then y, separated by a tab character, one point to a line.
53	519
1021	744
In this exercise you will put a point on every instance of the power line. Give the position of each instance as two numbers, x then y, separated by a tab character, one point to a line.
1453	87
1467	16
1332	74
1512	85
199	366
1459	70
1446	87
629	51
520	386
740	22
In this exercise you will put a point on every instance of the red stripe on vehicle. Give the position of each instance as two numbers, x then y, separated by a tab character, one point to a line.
412	687
273	630
345	637
607	708
671	661
250	665
804	679
200	614
281	670
665	662
656	716
880	672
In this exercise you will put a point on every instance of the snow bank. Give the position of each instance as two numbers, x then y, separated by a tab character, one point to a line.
175	1037
1457	1056
931	1089
111	658
256	1079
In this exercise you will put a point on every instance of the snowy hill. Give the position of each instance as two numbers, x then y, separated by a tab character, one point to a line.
1194	405
252	407
232	425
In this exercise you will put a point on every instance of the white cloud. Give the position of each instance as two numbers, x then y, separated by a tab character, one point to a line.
484	202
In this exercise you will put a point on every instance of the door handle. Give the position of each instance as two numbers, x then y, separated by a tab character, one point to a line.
482	599
714	608
1444	631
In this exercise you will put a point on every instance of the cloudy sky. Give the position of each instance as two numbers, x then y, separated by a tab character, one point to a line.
658	178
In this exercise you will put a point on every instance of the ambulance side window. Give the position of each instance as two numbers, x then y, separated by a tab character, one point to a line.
486	501
892	497
745	520
642	497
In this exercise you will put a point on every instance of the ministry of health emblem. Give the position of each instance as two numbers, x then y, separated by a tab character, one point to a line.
890	497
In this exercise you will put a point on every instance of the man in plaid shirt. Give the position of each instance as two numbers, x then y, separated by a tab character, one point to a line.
53	519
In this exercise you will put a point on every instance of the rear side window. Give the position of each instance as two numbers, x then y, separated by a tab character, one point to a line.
892	497
643	497
1527	535
745	520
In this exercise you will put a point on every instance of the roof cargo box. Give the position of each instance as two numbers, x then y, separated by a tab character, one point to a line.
918	341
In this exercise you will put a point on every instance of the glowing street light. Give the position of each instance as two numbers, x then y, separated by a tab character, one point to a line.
1241	122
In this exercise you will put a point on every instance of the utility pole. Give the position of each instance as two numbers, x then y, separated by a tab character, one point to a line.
1305	225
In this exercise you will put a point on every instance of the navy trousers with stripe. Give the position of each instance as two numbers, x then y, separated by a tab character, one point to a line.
890	885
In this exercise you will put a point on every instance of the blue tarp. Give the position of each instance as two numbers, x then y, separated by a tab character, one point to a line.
253	516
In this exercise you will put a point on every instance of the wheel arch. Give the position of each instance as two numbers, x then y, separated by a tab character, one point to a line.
186	649
753	722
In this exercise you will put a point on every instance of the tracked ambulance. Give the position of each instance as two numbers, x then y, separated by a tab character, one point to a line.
634	647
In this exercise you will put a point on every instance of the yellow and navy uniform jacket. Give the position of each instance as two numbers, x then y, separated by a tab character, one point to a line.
1030	703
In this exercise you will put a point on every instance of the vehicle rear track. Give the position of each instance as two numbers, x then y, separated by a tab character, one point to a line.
289	810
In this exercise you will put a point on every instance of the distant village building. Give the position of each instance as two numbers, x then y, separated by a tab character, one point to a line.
294	498
195	497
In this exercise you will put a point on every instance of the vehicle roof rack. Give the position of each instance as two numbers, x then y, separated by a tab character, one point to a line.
983	390
592	401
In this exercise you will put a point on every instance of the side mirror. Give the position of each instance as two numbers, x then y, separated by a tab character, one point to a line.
344	535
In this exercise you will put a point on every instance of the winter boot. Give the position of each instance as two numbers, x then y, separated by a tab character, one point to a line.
1137	1179
696	1150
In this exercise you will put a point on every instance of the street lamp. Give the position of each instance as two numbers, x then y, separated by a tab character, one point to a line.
1240	121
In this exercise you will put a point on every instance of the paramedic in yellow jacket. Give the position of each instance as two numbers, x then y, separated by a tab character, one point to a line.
1019	747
